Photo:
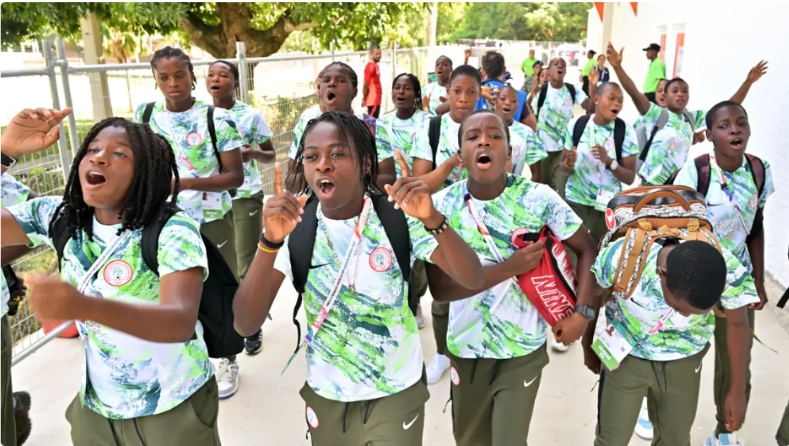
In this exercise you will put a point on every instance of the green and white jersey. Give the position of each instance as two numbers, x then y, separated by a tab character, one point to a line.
394	133
368	347
435	91
681	336
254	131
13	192
554	115
732	220
527	148
187	133
590	176
448	146
670	148
124	376
501	322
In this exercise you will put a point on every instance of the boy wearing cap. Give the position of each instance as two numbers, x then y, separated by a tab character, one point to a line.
657	71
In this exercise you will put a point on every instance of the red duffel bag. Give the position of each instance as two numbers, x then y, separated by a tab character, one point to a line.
551	285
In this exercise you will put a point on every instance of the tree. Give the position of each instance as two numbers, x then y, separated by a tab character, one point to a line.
214	27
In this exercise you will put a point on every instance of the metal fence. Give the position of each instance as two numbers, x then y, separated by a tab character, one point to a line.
280	87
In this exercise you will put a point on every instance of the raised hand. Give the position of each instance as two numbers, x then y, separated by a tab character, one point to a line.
467	53
32	131
413	196
282	211
405	171
758	71
614	58
594	76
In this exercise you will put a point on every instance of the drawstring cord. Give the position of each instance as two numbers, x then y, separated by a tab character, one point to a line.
138	433
344	416
114	435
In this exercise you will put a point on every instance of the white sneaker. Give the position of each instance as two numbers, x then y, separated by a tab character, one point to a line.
227	378
723	440
436	368
558	346
643	425
420	320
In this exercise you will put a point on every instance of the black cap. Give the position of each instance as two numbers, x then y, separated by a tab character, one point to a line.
539	62
653	46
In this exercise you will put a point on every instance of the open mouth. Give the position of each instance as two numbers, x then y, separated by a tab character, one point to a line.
215	88
737	143
95	179
483	161
326	189
615	111
399	99
330	96
506	109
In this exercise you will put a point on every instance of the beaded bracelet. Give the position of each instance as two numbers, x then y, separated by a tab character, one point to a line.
441	228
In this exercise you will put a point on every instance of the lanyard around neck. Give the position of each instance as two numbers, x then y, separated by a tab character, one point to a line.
105	255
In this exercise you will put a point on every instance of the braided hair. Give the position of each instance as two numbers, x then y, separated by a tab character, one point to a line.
231	66
415	85
362	140
169	52
154	169
351	73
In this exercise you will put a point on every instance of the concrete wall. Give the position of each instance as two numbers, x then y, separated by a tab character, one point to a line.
722	42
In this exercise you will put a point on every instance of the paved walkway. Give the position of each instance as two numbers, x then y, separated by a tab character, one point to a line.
262	414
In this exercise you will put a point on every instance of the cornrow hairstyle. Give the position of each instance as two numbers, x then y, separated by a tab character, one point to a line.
696	273
351	73
712	114
478	112
465	70
169	52
362	140
154	170
233	68
444	57
415	85
673	81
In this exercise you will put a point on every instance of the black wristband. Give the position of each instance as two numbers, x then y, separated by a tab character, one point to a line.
7	161
270	245
443	226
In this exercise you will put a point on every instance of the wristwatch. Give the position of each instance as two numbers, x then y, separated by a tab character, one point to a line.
613	166
7	161
586	310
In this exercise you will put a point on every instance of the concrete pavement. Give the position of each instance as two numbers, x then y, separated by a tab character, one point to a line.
268	411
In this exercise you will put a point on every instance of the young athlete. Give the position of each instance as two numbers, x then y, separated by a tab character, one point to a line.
671	144
554	114
527	149
735	208
669	317
463	93
221	82
338	88
434	91
207	172
496	338
596	175
365	376
148	379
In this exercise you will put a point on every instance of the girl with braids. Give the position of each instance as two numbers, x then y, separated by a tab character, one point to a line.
208	170
338	88
147	368
399	128
365	372
221	82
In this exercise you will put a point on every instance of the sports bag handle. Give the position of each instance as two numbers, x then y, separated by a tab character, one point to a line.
661	194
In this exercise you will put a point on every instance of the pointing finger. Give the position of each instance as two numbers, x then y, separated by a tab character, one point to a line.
278	184
404	170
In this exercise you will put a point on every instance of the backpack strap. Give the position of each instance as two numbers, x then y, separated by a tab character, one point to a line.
397	231
620	128
571	89
150	237
434	135
60	236
702	164
578	129
541	98
757	171
212	135
691	119
661	122
300	245
146	114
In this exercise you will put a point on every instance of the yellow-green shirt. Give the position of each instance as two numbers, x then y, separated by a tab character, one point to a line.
589	65
528	66
657	71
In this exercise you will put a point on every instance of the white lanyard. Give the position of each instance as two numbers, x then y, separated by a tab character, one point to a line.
729	192
105	255
312	331
483	229
591	143
177	144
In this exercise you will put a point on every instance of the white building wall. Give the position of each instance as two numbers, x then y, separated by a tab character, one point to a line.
722	42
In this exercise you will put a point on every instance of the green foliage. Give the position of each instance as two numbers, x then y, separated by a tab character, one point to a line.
450	17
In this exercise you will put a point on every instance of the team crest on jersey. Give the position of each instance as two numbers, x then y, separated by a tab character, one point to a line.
380	259
118	273
312	418
609	145
516	234
194	139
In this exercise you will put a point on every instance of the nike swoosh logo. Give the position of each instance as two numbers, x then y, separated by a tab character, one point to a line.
222	244
318	266
527	384
408	426
713	204
254	212
698	368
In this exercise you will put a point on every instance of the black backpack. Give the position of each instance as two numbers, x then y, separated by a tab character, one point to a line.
620	128
434	135
302	241
146	119
756	166
216	303
544	93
